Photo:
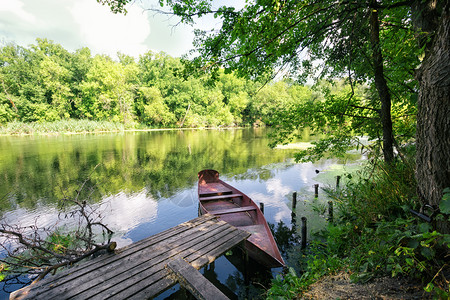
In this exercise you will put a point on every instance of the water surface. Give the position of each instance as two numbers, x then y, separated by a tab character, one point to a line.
146	182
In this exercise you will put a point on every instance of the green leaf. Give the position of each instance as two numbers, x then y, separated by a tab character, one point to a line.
429	287
444	206
424	227
409	261
446	240
427	253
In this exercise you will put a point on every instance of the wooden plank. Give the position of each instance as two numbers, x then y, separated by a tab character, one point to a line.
219	197
212	251
154	290
93	271
232	210
194	281
138	271
213	188
140	289
139	283
109	275
146	268
89	266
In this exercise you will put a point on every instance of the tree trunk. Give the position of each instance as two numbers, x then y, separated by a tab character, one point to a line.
433	119
381	86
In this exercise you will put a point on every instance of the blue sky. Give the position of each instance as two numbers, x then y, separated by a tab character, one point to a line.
85	23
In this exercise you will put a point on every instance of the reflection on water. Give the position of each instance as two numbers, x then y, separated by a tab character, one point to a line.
146	182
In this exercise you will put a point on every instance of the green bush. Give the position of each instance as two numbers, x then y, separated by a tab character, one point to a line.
375	235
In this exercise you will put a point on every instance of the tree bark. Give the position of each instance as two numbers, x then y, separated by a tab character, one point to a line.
381	86
433	119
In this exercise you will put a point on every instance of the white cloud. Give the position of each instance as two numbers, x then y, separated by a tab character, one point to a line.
108	33
86	23
16	7
121	213
124	212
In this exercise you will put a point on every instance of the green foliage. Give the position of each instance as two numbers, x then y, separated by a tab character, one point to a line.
316	263
337	114
421	252
62	126
45	83
107	91
59	241
7	113
378	192
320	40
152	108
4	268
444	205
287	286
375	235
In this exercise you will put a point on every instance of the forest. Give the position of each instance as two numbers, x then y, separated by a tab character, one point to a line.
44	83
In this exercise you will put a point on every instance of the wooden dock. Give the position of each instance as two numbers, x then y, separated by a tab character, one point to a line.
141	270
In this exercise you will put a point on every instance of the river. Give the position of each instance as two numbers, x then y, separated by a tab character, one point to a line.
146	182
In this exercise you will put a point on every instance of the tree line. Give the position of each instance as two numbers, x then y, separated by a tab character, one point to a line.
45	82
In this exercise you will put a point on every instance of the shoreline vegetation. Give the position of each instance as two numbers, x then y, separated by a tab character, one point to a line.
373	242
72	127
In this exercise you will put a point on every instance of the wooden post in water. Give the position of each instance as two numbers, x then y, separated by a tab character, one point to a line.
294	201
338	178
304	231
261	207
293	214
316	190
330	211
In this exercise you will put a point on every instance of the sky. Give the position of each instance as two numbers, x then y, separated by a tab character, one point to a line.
85	23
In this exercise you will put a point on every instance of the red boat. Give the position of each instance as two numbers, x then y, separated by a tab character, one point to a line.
230	205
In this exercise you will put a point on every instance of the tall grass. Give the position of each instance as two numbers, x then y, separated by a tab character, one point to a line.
62	126
378	192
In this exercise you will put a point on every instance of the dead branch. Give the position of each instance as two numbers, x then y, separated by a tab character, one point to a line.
38	251
109	247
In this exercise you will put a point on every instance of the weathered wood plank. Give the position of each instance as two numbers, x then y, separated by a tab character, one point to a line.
138	271
220	197
194	281
90	265
114	273
144	267
148	292
211	252
232	210
155	289
139	283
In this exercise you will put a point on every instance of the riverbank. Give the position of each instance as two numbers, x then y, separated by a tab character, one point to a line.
72	126
374	246
60	127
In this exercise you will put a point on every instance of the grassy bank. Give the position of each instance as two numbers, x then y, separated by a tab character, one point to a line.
374	235
73	126
57	127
